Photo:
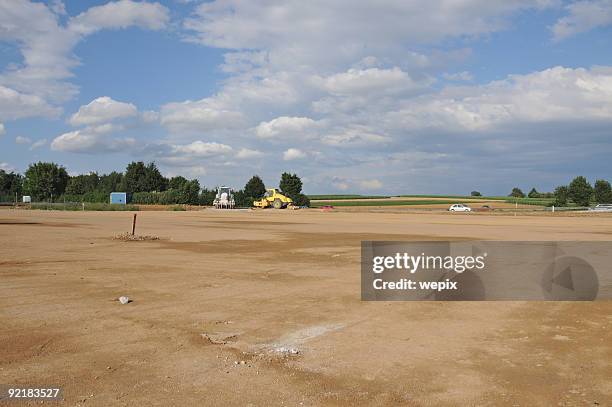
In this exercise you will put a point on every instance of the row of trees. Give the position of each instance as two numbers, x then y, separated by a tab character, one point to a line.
518	193
579	191
144	182
582	193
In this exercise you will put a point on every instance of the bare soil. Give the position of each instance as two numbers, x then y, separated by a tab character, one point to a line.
263	308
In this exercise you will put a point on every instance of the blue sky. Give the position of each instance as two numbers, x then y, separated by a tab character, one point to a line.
364	97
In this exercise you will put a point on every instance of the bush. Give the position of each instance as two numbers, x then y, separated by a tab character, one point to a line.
73	206
301	200
475	193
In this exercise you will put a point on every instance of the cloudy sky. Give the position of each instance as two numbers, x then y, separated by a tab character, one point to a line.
391	96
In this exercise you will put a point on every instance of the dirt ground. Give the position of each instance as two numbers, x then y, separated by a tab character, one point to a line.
224	297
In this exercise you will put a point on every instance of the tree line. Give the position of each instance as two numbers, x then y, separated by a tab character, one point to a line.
579	192
47	181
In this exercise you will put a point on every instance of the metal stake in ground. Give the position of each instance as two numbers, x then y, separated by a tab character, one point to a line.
134	225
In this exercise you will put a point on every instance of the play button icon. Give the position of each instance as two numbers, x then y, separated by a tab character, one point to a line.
570	278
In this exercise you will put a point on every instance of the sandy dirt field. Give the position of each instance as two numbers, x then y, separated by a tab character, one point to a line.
222	296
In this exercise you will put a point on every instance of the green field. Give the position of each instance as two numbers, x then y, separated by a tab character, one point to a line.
341	197
318	204
442	199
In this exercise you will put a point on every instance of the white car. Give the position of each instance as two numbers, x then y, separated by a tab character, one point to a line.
460	208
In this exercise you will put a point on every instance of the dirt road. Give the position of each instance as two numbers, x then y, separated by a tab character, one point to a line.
263	308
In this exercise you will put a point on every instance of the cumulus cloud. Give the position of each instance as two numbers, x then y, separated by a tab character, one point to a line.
205	114
354	135
201	149
17	105
189	155
323	30
120	14
41	81
293	154
284	126
102	110
583	16
92	140
370	81
551	95
246	153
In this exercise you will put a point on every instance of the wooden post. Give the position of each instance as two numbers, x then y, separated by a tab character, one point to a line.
134	225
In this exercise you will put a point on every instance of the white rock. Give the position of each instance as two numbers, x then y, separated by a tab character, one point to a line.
124	300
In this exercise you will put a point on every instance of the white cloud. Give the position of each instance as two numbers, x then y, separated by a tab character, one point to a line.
201	149
23	140
102	110
291	127
583	16
371	184
246	153
354	135
293	154
35	86
38	144
370	81
2	129
205	114
337	30
120	14
16	105
92	140
555	94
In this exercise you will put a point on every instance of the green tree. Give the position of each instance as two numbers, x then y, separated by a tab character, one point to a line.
517	193
189	192
143	178
602	191
255	187
111	183
561	195
533	193
580	191
11	183
45	180
290	185
207	196
177	182
475	193
82	184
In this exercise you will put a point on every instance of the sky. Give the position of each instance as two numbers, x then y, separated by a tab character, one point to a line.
385	97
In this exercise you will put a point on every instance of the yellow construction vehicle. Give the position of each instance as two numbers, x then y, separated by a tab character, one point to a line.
274	199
